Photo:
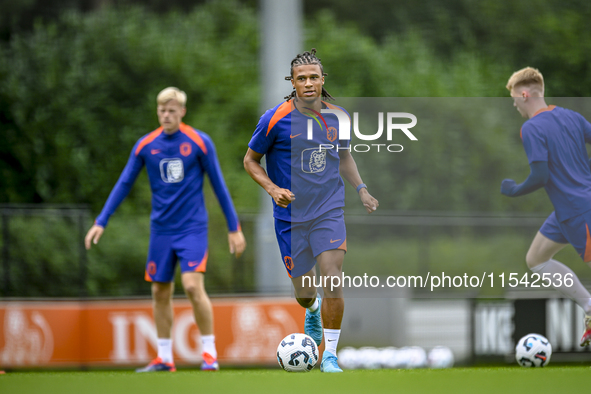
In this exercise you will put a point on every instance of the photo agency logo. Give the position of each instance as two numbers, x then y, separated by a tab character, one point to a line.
344	131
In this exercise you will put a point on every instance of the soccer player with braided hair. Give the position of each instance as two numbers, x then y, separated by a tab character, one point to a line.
307	58
305	161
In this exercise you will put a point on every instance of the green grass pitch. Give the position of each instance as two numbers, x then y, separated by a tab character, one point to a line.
553	379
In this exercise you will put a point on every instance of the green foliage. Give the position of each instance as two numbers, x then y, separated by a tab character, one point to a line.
403	65
551	35
77	93
81	91
44	260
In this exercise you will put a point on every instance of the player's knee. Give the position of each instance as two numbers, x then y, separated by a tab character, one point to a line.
333	292
161	292
333	276
532	260
305	293
305	302
195	292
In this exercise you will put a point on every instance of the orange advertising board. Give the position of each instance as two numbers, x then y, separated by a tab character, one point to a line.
112	333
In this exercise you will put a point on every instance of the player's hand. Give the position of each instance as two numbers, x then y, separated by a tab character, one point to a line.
370	203
237	242
507	187
93	235
282	197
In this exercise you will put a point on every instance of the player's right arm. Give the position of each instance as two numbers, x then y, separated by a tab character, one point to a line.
262	140
252	165
118	194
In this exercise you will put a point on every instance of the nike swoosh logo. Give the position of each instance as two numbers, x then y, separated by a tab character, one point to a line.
331	340
193	263
293	136
336	240
155	151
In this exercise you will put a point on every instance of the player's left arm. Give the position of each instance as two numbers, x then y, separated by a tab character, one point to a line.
536	148
211	164
537	178
349	171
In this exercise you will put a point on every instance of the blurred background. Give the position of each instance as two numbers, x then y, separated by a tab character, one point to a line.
78	81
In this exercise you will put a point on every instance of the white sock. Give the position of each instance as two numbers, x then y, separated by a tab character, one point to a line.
165	350
314	306
331	340
208	343
577	292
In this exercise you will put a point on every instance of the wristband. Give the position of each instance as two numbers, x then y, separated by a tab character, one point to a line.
361	186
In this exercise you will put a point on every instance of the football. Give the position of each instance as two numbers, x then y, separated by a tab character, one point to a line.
297	353
533	350
440	357
348	358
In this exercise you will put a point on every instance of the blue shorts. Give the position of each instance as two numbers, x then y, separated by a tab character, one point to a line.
190	249
574	231
301	243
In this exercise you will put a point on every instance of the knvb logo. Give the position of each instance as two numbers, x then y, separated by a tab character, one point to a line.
172	170
344	130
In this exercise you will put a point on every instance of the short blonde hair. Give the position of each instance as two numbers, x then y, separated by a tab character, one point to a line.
172	93
527	76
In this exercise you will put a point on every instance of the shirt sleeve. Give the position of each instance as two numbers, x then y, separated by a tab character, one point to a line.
537	178
346	143
210	163
122	187
262	138
534	143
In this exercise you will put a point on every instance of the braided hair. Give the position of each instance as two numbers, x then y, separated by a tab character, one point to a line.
304	59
